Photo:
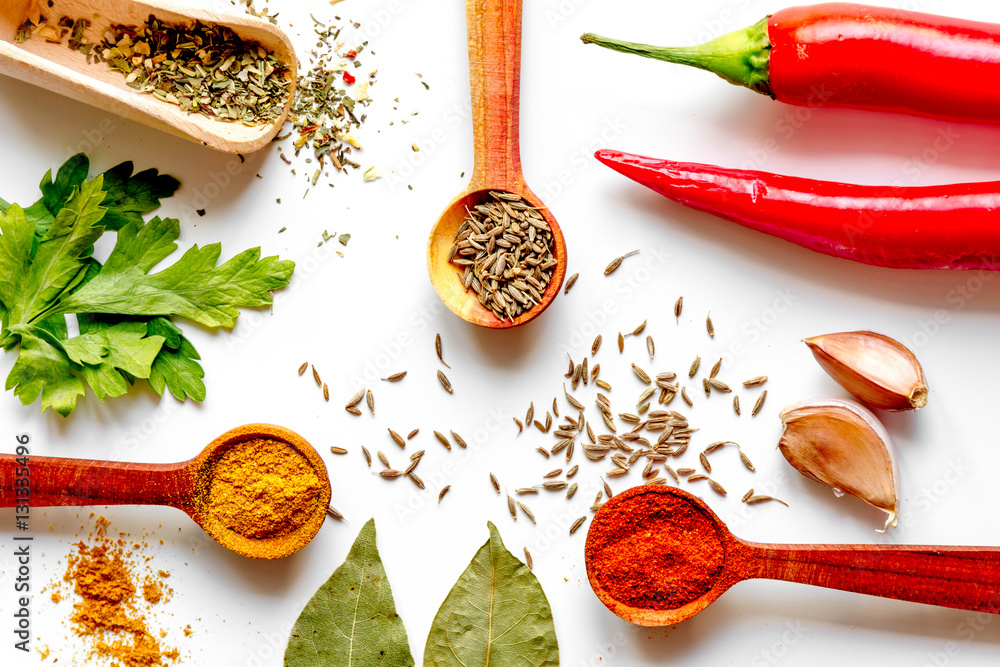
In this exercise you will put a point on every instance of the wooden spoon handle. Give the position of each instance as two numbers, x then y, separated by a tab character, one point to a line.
57	481
495	74
958	577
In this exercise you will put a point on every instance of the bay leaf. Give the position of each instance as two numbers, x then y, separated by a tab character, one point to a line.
351	621
496	615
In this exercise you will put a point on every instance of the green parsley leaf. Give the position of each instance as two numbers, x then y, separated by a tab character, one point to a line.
43	369
59	263
16	235
178	369
194	287
128	349
129	196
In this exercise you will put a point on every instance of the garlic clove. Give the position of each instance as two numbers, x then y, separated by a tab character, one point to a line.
876	369
841	444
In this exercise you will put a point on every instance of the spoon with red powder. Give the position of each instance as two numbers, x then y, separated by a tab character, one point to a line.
259	490
657	555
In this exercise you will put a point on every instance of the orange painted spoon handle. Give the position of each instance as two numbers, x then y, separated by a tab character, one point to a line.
947	576
54	482
495	75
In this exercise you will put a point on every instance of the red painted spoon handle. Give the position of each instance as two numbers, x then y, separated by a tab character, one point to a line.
54	481
958	577
495	75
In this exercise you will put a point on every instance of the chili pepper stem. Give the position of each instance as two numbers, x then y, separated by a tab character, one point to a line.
741	57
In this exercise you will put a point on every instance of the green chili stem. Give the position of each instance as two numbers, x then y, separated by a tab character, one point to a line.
741	57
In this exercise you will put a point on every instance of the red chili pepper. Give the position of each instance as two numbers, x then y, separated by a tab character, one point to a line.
846	55
352	54
930	227
349	78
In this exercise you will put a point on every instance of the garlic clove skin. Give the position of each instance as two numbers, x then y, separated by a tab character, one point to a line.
841	444
878	370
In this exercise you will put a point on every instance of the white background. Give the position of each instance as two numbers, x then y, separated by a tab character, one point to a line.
373	312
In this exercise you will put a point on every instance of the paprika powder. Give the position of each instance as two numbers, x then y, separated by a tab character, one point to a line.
652	550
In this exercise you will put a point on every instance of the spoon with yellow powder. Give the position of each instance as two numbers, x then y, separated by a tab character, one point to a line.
259	490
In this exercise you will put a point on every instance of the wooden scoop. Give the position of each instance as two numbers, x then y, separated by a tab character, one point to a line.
58	482
957	577
57	68
494	28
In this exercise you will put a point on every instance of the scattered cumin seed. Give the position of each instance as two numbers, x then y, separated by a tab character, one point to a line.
753	500
687	399
437	348
718	488
527	512
650	347
356	398
541	450
603	385
338	450
520	426
709	326
459	440
736	404
529	416
526	490
677	308
494	482
334	513
326	393
715	368
571	491
443	440
576	524
596	346
719	385
746	461
747	494
571	472
319	383
390	473
443	491
511	507
607	489
697	478
412	434
397	438
416	480
353	410
552	473
759	404
685	471
616	262
755	381
527	557
694	367
444	382
555	407
303	367
368	456
621	342
395	377
370	399
569	284
639	329
555	485
708	387
641	374
704	462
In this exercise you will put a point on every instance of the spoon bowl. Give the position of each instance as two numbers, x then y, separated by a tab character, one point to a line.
446	276
494	28
57	68
657	555
186	486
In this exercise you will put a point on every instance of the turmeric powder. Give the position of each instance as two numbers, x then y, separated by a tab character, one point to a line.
107	614
262	488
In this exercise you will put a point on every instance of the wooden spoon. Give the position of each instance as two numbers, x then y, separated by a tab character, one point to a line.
57	68
947	576
58	482
495	74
